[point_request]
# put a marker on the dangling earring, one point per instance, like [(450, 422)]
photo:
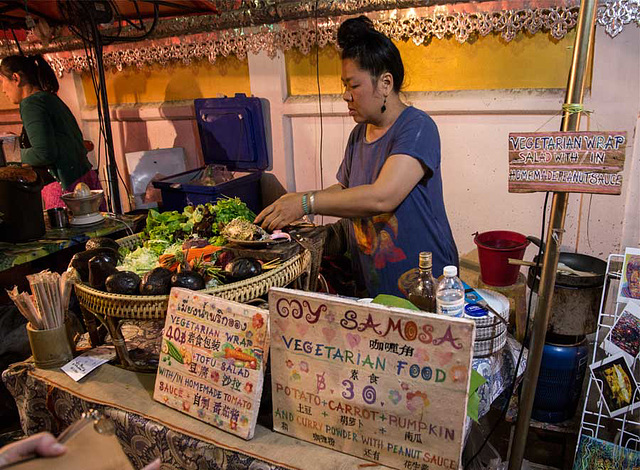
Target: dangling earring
[(384, 105)]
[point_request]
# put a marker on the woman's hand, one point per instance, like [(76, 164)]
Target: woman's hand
[(42, 444), (281, 213)]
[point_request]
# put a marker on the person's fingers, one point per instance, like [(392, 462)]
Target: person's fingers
[(277, 223), (155, 465), (261, 215), (264, 215), (43, 444), (266, 220), (271, 226), (48, 446)]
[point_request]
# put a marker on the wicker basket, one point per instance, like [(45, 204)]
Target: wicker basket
[(113, 308), (150, 307)]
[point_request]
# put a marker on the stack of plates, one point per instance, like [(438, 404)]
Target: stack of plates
[(491, 333)]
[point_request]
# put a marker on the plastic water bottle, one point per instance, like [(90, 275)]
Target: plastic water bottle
[(450, 293)]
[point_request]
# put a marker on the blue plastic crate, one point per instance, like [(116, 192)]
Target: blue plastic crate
[(178, 193), (232, 133)]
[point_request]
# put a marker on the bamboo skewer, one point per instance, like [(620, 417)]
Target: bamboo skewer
[(24, 309), (46, 307), (31, 306)]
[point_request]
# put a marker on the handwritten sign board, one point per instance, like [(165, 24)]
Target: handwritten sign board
[(385, 384), (212, 360), (576, 162)]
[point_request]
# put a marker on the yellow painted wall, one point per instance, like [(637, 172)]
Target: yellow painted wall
[(174, 82), (5, 103), (528, 61)]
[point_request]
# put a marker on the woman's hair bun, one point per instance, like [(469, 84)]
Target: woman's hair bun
[(370, 49), (353, 31)]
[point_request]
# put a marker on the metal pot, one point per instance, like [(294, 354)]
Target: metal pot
[(575, 261), (576, 299)]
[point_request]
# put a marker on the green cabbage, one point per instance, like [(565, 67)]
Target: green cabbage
[(140, 261)]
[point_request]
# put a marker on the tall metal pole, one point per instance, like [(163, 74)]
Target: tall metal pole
[(570, 122)]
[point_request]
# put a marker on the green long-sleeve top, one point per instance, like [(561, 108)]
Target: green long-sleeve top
[(55, 138)]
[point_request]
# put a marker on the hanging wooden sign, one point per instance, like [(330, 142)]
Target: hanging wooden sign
[(384, 384), (212, 360), (576, 162)]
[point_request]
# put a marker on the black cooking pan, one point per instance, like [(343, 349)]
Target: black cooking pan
[(575, 261)]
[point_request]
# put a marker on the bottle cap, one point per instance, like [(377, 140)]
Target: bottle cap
[(450, 271), (425, 260), (475, 311)]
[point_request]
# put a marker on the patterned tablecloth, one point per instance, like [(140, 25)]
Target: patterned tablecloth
[(46, 403), (47, 406), (54, 240), (498, 369)]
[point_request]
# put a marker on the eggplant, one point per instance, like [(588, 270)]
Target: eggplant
[(243, 268), (101, 267), (80, 261), (101, 242), (156, 282), (188, 279), (123, 282)]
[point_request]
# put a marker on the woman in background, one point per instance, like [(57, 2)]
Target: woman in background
[(390, 186), (51, 138)]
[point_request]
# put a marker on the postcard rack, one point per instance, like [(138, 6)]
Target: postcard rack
[(623, 429)]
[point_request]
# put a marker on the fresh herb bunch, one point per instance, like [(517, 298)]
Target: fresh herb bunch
[(203, 220), (206, 227), (167, 226), (229, 208)]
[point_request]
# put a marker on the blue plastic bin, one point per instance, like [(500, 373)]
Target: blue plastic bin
[(232, 133)]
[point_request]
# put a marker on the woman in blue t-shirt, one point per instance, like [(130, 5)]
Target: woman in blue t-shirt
[(390, 186)]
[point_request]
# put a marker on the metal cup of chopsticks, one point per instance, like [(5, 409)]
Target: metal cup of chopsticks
[(45, 309)]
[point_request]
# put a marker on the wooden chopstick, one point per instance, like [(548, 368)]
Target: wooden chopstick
[(521, 262)]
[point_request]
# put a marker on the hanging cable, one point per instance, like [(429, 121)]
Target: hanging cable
[(17, 42), (83, 20), (156, 16)]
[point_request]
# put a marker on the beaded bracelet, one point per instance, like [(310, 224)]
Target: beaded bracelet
[(305, 203)]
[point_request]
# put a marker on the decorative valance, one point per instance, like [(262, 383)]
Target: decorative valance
[(614, 15), (272, 26)]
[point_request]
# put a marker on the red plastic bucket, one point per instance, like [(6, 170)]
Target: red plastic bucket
[(494, 250)]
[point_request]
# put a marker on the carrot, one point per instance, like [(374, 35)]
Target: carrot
[(164, 259), (205, 252), (169, 262), (230, 353)]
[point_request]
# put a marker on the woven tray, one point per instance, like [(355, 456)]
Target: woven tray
[(149, 307)]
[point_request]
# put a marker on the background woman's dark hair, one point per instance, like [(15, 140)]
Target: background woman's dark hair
[(370, 49), (33, 69)]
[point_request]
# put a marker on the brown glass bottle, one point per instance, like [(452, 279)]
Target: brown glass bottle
[(422, 293)]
